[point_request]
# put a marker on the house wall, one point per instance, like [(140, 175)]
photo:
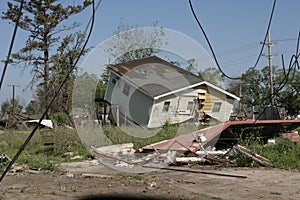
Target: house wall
[(178, 110), (213, 97), (145, 111), (140, 107), (111, 86), (133, 105)]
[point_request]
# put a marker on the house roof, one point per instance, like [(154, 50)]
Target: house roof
[(155, 76), (158, 78)]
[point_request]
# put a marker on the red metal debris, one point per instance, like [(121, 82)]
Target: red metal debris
[(294, 137), (187, 141)]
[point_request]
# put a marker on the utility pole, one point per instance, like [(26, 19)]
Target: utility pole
[(269, 43), (13, 95), (241, 95)]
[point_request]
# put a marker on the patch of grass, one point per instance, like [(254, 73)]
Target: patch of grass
[(250, 140), (69, 188), (23, 189), (127, 176), (137, 135), (202, 195), (283, 154), (45, 150)]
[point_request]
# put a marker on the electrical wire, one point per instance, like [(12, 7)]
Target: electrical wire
[(293, 65), (210, 46), (266, 35), (53, 98), (11, 43)]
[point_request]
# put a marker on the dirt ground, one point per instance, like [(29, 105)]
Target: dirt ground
[(87, 181)]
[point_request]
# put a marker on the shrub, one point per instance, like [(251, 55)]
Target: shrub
[(60, 118), (283, 154)]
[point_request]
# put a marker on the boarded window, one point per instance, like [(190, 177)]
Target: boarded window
[(166, 106), (190, 105), (126, 89), (217, 107)]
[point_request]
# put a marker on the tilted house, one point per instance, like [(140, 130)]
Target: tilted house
[(149, 91)]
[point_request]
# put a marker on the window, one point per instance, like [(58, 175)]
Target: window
[(113, 80), (126, 89), (190, 105), (166, 106), (217, 107)]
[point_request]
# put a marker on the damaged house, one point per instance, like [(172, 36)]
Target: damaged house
[(150, 91)]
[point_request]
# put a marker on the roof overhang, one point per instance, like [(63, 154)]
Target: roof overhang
[(195, 85)]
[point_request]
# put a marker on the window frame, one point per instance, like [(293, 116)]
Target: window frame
[(217, 106), (126, 89), (166, 106), (190, 105)]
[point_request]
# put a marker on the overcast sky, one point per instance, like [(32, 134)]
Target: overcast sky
[(235, 29)]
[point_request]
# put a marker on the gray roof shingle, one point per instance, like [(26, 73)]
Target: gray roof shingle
[(155, 76)]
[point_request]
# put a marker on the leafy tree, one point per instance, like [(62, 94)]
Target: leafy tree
[(289, 95), (132, 42), (5, 107), (256, 89), (32, 107), (43, 20), (84, 90), (212, 75), (63, 60), (60, 118), (10, 106)]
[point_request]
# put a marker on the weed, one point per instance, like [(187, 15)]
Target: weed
[(127, 176), (55, 192), (23, 189), (118, 136), (37, 154), (202, 195), (283, 154), (69, 188)]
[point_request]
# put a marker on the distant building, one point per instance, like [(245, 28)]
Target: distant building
[(150, 90)]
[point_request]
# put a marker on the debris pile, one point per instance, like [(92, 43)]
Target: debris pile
[(4, 158), (294, 137), (179, 151)]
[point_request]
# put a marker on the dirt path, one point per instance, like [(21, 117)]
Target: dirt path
[(85, 180)]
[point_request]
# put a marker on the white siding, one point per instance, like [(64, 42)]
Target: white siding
[(177, 112)]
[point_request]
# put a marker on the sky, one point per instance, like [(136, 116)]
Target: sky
[(235, 29)]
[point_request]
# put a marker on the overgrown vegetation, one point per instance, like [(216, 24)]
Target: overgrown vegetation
[(118, 136), (284, 154), (46, 149), (127, 176), (49, 147), (60, 118)]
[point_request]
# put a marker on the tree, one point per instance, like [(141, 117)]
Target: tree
[(256, 89), (43, 21), (32, 107), (63, 61), (5, 107), (212, 75), (289, 95), (11, 106), (132, 42)]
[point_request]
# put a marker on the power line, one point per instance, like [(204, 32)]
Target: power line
[(11, 43), (237, 50), (53, 98), (266, 35), (210, 46)]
